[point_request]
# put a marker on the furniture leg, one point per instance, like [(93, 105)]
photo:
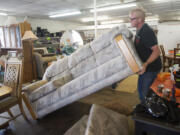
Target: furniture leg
[(33, 114), (22, 110), (10, 113), (4, 125)]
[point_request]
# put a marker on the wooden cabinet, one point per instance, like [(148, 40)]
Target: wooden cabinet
[(10, 38)]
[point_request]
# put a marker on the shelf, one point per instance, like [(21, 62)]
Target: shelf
[(12, 48)]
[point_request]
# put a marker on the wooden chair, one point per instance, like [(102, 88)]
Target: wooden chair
[(12, 81), (176, 56), (165, 62)]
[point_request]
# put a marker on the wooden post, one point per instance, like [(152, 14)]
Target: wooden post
[(29, 72)]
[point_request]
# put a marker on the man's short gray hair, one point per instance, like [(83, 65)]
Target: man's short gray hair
[(139, 13)]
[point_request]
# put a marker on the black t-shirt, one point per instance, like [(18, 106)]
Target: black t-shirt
[(145, 38)]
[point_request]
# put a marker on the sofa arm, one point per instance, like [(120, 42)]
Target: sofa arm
[(30, 88), (50, 58)]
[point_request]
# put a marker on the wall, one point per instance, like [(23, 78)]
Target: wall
[(169, 35), (51, 25)]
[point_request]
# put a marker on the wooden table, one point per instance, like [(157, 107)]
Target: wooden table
[(5, 91), (170, 58)]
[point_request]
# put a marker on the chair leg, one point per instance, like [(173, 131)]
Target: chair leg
[(10, 113), (22, 110), (29, 107), (4, 125)]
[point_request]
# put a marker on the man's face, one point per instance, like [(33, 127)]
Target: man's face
[(134, 20)]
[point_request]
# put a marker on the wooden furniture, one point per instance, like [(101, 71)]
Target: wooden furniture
[(29, 62), (165, 61), (1, 63), (29, 72), (176, 56), (5, 91), (173, 58), (145, 125), (127, 54), (12, 79), (11, 40), (178, 45)]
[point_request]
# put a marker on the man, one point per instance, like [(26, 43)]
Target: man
[(146, 46)]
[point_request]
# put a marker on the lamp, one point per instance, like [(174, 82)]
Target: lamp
[(29, 35), (11, 20)]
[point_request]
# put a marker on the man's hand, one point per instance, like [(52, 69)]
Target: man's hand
[(144, 66), (155, 54)]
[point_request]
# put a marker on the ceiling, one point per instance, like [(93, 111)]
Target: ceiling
[(166, 10)]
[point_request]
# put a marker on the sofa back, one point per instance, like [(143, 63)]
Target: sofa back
[(92, 55)]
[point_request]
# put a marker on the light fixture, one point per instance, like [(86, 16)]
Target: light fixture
[(65, 14), (3, 14), (112, 22), (161, 1), (151, 19), (90, 19), (10, 21), (114, 7), (29, 35)]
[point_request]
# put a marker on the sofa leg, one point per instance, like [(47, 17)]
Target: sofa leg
[(28, 105)]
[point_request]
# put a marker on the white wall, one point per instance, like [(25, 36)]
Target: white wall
[(169, 35), (51, 25)]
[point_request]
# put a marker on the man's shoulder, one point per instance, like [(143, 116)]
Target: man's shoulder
[(146, 27)]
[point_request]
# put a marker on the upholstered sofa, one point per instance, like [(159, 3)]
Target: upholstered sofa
[(42, 62), (104, 61)]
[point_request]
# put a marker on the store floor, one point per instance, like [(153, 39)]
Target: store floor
[(58, 122)]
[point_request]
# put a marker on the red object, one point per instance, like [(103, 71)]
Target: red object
[(171, 52), (168, 84)]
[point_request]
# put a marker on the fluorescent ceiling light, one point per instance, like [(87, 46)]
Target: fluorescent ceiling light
[(91, 19), (161, 0), (66, 14), (151, 19), (112, 22), (114, 7), (4, 14)]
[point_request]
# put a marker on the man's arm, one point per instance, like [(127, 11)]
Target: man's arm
[(155, 54)]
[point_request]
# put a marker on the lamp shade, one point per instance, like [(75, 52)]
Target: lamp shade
[(29, 35), (11, 20)]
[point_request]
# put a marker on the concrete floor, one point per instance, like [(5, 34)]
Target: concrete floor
[(58, 122)]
